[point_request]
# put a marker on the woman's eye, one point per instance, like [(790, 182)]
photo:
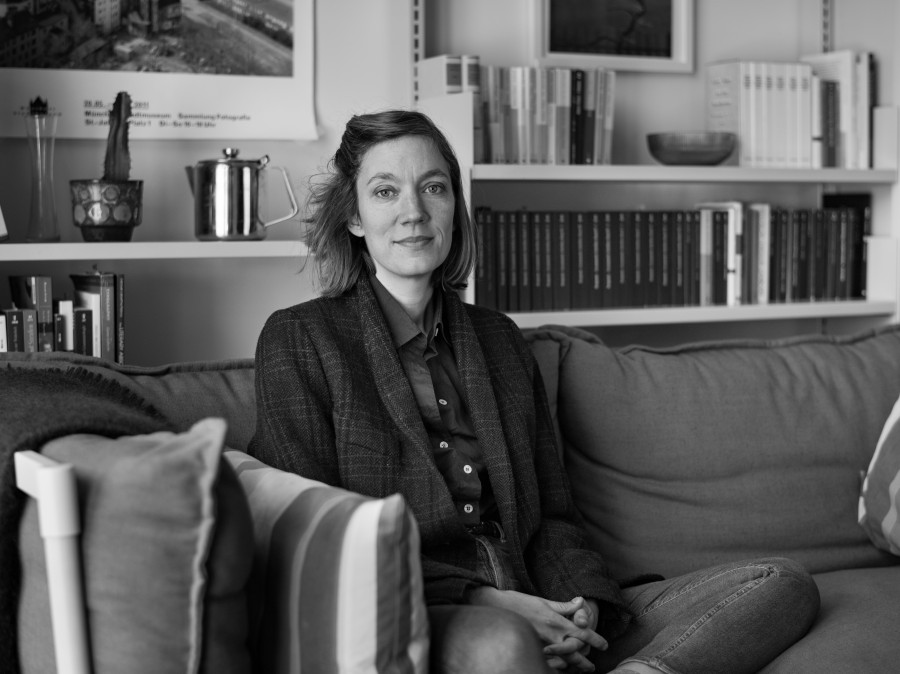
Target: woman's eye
[(435, 189), (384, 192)]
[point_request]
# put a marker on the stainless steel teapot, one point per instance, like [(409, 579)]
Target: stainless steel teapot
[(226, 197)]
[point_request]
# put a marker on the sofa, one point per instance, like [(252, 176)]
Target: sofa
[(196, 557)]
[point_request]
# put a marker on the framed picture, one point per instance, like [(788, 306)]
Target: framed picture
[(642, 35)]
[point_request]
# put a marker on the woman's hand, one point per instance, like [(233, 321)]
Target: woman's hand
[(566, 627)]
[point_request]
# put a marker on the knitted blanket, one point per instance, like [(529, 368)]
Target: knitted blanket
[(38, 405)]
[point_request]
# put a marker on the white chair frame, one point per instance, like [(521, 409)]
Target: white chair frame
[(52, 485)]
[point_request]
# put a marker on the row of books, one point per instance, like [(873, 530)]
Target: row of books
[(529, 114), (91, 322), (812, 113), (719, 253)]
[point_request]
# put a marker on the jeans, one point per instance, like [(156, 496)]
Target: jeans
[(731, 618)]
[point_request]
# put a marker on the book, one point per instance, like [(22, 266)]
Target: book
[(4, 346), (576, 113), (495, 102), (561, 115), (96, 291), (439, 75), (470, 74), (734, 247), (521, 102), (608, 117), (15, 329), (860, 203), (840, 66), (83, 334), (63, 310), (36, 292)]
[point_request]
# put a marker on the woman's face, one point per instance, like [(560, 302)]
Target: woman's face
[(406, 207)]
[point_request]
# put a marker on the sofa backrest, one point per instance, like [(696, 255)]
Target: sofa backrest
[(684, 457), (184, 392)]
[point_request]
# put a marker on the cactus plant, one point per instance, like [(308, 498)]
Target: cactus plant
[(117, 164)]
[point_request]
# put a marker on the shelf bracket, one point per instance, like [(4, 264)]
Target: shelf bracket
[(827, 25)]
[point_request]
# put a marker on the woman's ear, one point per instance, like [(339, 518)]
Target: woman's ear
[(354, 226)]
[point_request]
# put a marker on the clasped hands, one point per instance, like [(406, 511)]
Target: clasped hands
[(567, 628)]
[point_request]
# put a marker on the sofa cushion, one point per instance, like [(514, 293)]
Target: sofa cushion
[(337, 583), (856, 630), (165, 557), (184, 392), (879, 500), (684, 457)]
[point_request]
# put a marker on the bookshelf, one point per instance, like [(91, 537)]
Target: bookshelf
[(453, 114), (150, 250)]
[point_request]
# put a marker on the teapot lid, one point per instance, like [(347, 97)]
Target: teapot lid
[(230, 155)]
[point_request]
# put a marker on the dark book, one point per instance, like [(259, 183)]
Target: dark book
[(666, 245), (692, 258), (652, 289), (36, 292), (83, 333), (15, 329), (625, 264), (832, 251), (719, 256), (485, 292), (512, 260), (525, 259), (561, 241), (502, 260), (818, 255), (610, 275), (578, 261), (597, 255), (548, 267), (831, 132), (676, 265), (577, 117), (120, 319), (861, 204), (639, 252), (538, 297)]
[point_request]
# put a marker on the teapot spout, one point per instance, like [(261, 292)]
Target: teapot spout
[(190, 174)]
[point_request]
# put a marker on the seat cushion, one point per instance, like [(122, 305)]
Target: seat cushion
[(857, 627)]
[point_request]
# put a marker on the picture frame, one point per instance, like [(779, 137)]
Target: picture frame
[(661, 37)]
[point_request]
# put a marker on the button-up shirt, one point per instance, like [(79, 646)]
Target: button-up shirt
[(430, 365)]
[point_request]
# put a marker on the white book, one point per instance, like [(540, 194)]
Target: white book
[(863, 98), (66, 309), (89, 300), (563, 97), (540, 130), (763, 212), (609, 110), (492, 92), (734, 247), (3, 347), (729, 104), (439, 75)]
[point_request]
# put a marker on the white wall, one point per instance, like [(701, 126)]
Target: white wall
[(363, 63)]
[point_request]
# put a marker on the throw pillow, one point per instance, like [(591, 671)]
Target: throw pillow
[(337, 582), (879, 502), (166, 563)]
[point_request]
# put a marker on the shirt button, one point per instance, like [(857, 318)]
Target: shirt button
[(467, 469), (442, 401), (444, 445), (468, 508)]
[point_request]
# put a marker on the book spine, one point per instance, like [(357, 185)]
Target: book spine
[(562, 236), (523, 234), (538, 297), (576, 139), (563, 93), (15, 330), (4, 343), (83, 333)]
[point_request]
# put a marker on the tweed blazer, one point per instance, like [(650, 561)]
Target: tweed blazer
[(334, 405)]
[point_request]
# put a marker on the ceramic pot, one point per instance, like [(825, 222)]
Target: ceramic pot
[(107, 210)]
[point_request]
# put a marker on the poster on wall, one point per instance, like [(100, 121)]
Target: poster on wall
[(195, 69)]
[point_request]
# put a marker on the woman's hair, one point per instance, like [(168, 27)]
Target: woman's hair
[(339, 256)]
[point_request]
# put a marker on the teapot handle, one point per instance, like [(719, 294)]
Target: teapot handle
[(290, 191)]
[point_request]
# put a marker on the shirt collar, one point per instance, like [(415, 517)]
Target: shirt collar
[(401, 326)]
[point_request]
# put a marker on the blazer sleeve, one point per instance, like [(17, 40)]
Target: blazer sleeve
[(558, 557), (294, 431)]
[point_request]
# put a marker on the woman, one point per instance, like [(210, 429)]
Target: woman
[(389, 382)]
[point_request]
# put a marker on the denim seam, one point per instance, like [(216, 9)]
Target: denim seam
[(745, 589), (766, 568)]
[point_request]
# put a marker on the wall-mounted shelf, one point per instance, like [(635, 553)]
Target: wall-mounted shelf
[(150, 250), (677, 174), (715, 314)]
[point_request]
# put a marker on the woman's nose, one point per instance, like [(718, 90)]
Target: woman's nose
[(413, 210)]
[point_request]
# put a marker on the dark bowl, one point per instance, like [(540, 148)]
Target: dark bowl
[(691, 148)]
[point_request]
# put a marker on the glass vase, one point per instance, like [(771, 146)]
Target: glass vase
[(42, 222)]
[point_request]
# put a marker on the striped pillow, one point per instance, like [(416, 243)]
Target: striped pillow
[(879, 501), (337, 580)]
